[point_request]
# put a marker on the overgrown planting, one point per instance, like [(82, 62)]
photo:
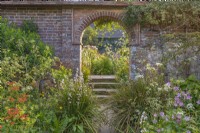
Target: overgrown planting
[(148, 105), (34, 96), (37, 98)]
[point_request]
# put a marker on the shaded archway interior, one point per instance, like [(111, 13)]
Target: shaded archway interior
[(122, 26), (108, 20), (113, 46)]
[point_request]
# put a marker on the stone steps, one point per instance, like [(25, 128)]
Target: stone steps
[(103, 85)]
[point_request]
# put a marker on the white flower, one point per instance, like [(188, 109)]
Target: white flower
[(159, 64), (143, 130), (180, 112), (143, 117), (159, 89), (139, 77), (190, 106)]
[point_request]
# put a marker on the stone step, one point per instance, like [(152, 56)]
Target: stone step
[(102, 96), (103, 91), (103, 84), (102, 78)]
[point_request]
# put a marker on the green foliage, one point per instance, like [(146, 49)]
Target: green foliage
[(107, 25), (110, 62), (90, 36), (15, 114), (182, 109), (88, 55), (164, 14), (180, 49), (134, 15), (129, 104), (75, 101), (103, 66), (149, 105), (24, 57), (135, 100), (29, 26), (100, 28), (66, 106)]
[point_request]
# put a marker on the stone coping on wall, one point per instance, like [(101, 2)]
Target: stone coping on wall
[(70, 3)]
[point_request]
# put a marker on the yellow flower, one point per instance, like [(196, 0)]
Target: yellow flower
[(61, 107)]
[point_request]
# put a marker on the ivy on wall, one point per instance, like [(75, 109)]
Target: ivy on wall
[(164, 14), (178, 23)]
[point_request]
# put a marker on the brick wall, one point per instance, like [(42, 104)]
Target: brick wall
[(62, 24), (48, 20)]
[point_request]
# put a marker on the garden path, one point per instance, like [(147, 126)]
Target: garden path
[(103, 86)]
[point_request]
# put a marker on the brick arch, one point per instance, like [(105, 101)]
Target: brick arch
[(117, 17)]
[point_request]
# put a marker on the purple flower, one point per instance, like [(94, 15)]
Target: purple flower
[(168, 84), (162, 114), (178, 102), (179, 95), (188, 97), (181, 104), (198, 102), (187, 118), (155, 115), (176, 98), (176, 88), (188, 131)]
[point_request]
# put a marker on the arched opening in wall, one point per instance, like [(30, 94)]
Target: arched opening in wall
[(105, 49)]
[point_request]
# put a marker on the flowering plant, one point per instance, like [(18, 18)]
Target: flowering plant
[(180, 115), (15, 113)]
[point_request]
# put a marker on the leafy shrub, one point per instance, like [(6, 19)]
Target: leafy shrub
[(24, 57), (76, 105), (130, 104), (103, 66), (136, 100), (107, 63), (89, 53), (121, 63), (29, 26), (68, 105)]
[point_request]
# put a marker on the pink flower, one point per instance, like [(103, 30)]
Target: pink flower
[(155, 115)]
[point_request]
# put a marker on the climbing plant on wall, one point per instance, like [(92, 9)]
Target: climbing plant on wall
[(164, 14)]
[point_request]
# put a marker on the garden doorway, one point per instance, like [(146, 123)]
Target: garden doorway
[(105, 50)]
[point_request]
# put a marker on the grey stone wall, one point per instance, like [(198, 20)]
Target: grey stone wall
[(153, 49)]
